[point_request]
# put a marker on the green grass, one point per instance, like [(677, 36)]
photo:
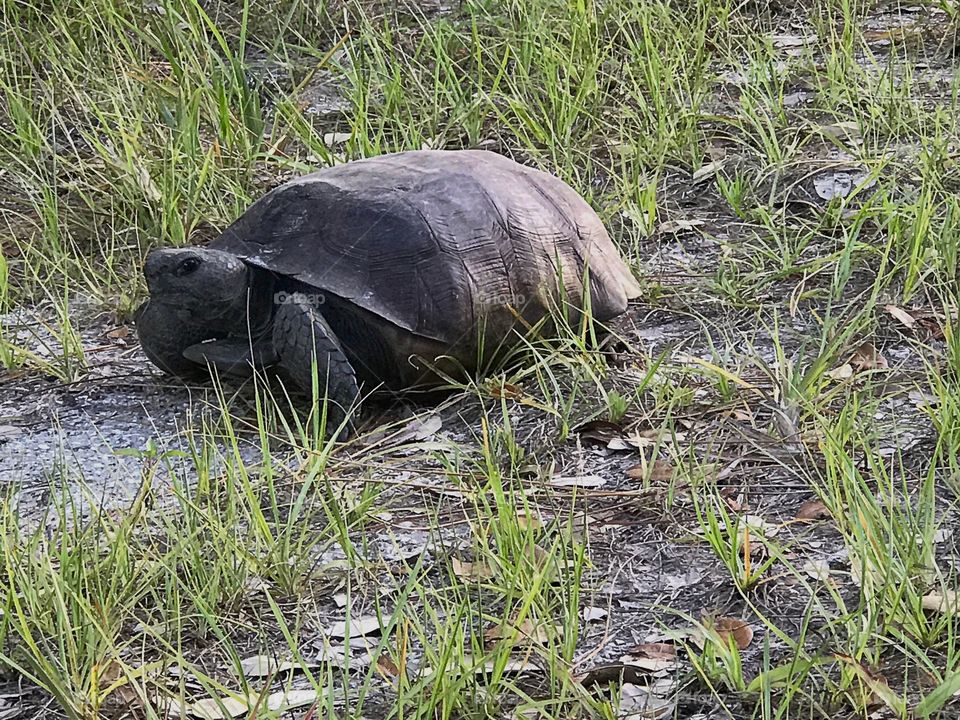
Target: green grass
[(124, 126)]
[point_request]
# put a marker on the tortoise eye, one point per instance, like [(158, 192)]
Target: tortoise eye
[(187, 267)]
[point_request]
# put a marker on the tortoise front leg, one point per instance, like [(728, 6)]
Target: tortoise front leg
[(233, 356), (301, 336)]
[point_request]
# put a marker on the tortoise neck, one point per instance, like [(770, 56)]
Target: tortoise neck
[(250, 313)]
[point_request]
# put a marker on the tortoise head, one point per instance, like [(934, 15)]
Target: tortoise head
[(196, 278)]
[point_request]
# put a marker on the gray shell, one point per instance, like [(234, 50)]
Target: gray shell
[(439, 243)]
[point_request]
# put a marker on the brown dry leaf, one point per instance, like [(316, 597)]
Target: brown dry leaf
[(813, 510), (947, 601), (387, 666), (602, 431), (902, 315), (471, 571), (612, 673), (107, 674), (653, 657), (867, 357), (526, 633), (877, 683), (529, 521), (506, 390), (659, 471), (739, 630)]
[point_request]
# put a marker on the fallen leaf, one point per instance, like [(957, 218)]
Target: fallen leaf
[(847, 130), (602, 431), (528, 521), (672, 227), (265, 665), (526, 633), (612, 673), (387, 666), (945, 602), (506, 390), (336, 138), (877, 684), (581, 481), (659, 471), (639, 702), (813, 510), (727, 627), (707, 171), (653, 657), (817, 569), (902, 315), (592, 614), (359, 627), (471, 571), (787, 41), (843, 372), (513, 666), (220, 709), (867, 357)]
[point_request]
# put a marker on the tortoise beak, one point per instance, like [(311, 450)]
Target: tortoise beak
[(153, 268)]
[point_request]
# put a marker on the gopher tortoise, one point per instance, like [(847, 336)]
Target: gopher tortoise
[(382, 273)]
